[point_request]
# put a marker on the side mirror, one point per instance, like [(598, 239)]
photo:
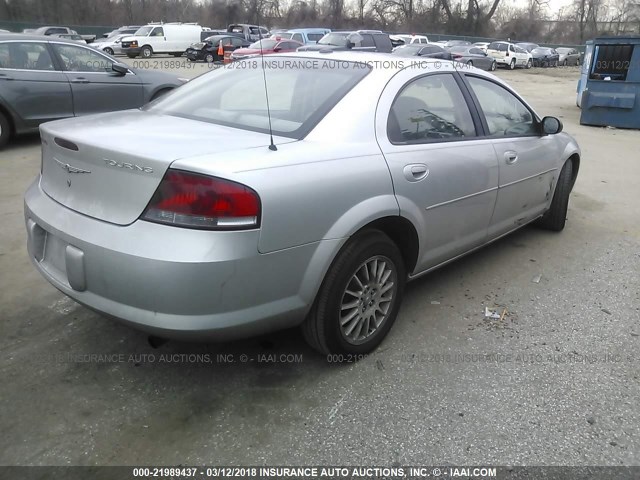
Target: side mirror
[(551, 125), (120, 68)]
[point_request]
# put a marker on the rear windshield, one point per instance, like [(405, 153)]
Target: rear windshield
[(266, 44), (301, 92), (502, 47), (337, 39)]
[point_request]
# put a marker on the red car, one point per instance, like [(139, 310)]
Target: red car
[(269, 45)]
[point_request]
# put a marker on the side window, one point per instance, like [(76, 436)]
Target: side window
[(227, 42), (25, 56), (157, 32), (367, 40), (78, 59), (298, 37), (611, 61), (430, 108), (236, 42), (476, 51), (506, 115), (511, 48)]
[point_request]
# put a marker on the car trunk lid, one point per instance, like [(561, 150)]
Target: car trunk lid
[(108, 166)]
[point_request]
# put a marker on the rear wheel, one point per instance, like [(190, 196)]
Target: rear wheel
[(209, 58), (512, 65), (359, 298), (556, 217), (5, 130), (146, 51), (493, 66), (564, 63), (108, 51), (529, 64)]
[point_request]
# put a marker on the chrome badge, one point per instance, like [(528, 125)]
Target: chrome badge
[(129, 166), (70, 168)]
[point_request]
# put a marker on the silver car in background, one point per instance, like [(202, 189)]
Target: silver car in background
[(186, 219), (110, 45)]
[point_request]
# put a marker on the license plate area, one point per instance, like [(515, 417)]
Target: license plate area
[(54, 258)]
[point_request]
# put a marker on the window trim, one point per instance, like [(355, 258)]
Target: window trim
[(483, 117), (475, 118)]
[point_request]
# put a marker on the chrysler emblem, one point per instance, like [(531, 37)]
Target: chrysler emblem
[(70, 168)]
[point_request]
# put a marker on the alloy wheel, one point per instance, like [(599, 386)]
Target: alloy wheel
[(367, 299)]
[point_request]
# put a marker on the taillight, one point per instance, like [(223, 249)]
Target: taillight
[(193, 200), (456, 57)]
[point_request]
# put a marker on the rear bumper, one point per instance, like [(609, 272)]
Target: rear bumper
[(171, 282)]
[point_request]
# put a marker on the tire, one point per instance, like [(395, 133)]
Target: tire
[(131, 55), (493, 66), (529, 64), (209, 58), (346, 284), (108, 51), (146, 51), (177, 54), (470, 63), (555, 218), (512, 65), (578, 63), (555, 64), (564, 63), (5, 130)]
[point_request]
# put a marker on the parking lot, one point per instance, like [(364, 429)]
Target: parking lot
[(554, 381)]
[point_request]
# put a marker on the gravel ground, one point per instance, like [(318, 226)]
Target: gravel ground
[(553, 382)]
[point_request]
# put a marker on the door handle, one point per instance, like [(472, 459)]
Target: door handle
[(80, 80), (415, 172), (511, 157)]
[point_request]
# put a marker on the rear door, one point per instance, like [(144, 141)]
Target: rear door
[(95, 86), (32, 83), (445, 174), (527, 160)]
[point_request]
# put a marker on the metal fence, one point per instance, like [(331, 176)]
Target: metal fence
[(96, 30)]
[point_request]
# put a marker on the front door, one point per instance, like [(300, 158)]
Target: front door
[(527, 160), (95, 86)]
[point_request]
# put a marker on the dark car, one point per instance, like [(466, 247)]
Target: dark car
[(544, 57), (361, 40), (208, 50), (47, 78), (417, 50), (474, 57)]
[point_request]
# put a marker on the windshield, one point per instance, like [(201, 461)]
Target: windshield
[(498, 46), (267, 44), (407, 50), (282, 35), (301, 93), (563, 50), (143, 31), (337, 39)]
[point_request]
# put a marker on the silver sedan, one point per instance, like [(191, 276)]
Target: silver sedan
[(188, 219)]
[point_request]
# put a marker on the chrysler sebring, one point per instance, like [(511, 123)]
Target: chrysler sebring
[(206, 215)]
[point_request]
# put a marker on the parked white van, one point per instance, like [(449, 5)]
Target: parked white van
[(173, 38)]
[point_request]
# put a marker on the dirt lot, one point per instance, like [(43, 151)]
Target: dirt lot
[(555, 382)]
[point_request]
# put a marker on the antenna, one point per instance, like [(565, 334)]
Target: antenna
[(272, 146)]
